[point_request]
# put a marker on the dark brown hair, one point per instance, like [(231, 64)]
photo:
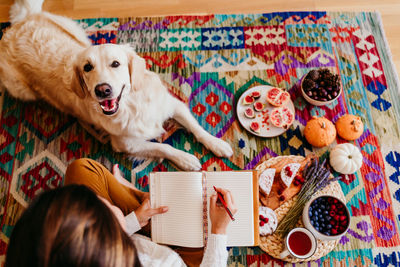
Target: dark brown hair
[(69, 226)]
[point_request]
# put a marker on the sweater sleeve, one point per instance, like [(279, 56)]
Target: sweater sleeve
[(215, 253), (132, 223)]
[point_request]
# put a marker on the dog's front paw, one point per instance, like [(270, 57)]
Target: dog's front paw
[(187, 162), (219, 147)]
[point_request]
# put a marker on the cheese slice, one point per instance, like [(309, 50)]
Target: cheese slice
[(288, 173), (266, 180)]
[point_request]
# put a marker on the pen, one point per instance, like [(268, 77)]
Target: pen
[(221, 198)]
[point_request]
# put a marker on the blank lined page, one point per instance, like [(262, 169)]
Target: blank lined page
[(182, 225), (241, 231)]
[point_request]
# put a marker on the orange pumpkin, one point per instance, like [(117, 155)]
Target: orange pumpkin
[(320, 131), (349, 127)]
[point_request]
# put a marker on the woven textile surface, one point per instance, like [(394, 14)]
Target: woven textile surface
[(208, 62)]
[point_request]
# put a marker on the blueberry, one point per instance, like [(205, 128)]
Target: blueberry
[(326, 212), (310, 213), (329, 226)]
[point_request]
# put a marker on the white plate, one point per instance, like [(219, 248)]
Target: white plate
[(262, 117)]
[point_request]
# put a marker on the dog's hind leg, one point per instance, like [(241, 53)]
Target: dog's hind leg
[(15, 83), (146, 149), (218, 146)]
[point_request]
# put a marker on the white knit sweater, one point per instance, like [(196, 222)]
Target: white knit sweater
[(152, 254)]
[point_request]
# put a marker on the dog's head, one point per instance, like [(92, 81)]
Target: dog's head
[(105, 73)]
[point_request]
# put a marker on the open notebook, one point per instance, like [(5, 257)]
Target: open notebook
[(187, 195)]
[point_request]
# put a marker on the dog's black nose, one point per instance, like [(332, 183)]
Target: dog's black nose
[(103, 90)]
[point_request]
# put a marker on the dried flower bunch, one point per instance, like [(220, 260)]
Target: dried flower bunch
[(316, 177)]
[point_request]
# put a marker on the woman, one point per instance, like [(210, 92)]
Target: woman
[(59, 221), (69, 226)]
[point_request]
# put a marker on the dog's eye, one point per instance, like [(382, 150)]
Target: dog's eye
[(88, 67), (115, 64)]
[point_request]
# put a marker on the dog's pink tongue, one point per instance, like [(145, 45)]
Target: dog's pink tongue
[(108, 105)]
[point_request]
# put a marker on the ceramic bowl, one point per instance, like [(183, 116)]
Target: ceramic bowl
[(340, 214), (317, 102)]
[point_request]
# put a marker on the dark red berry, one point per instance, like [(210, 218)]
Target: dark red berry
[(296, 183), (262, 223), (281, 198), (334, 231), (261, 217), (280, 192), (266, 220), (332, 213)]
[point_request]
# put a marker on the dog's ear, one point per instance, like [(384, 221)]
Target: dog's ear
[(137, 68), (78, 85)]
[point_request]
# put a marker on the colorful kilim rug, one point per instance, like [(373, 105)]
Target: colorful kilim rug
[(208, 62)]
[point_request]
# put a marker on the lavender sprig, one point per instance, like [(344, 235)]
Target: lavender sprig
[(316, 177)]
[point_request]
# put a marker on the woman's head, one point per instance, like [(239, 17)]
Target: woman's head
[(69, 226)]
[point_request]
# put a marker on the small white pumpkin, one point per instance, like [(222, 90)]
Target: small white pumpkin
[(346, 158)]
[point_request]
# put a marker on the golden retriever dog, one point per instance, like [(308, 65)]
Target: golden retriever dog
[(49, 57)]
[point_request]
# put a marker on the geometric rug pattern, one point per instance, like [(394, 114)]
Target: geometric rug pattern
[(208, 62)]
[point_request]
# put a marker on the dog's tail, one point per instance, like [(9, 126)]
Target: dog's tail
[(22, 8)]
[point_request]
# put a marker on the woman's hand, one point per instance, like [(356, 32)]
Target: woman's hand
[(218, 215), (145, 212)]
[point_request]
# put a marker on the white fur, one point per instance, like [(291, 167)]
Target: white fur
[(42, 56)]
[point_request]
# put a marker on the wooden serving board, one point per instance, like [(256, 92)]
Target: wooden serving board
[(273, 199)]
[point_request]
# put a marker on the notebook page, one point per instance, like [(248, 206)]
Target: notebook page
[(182, 225), (241, 231)]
